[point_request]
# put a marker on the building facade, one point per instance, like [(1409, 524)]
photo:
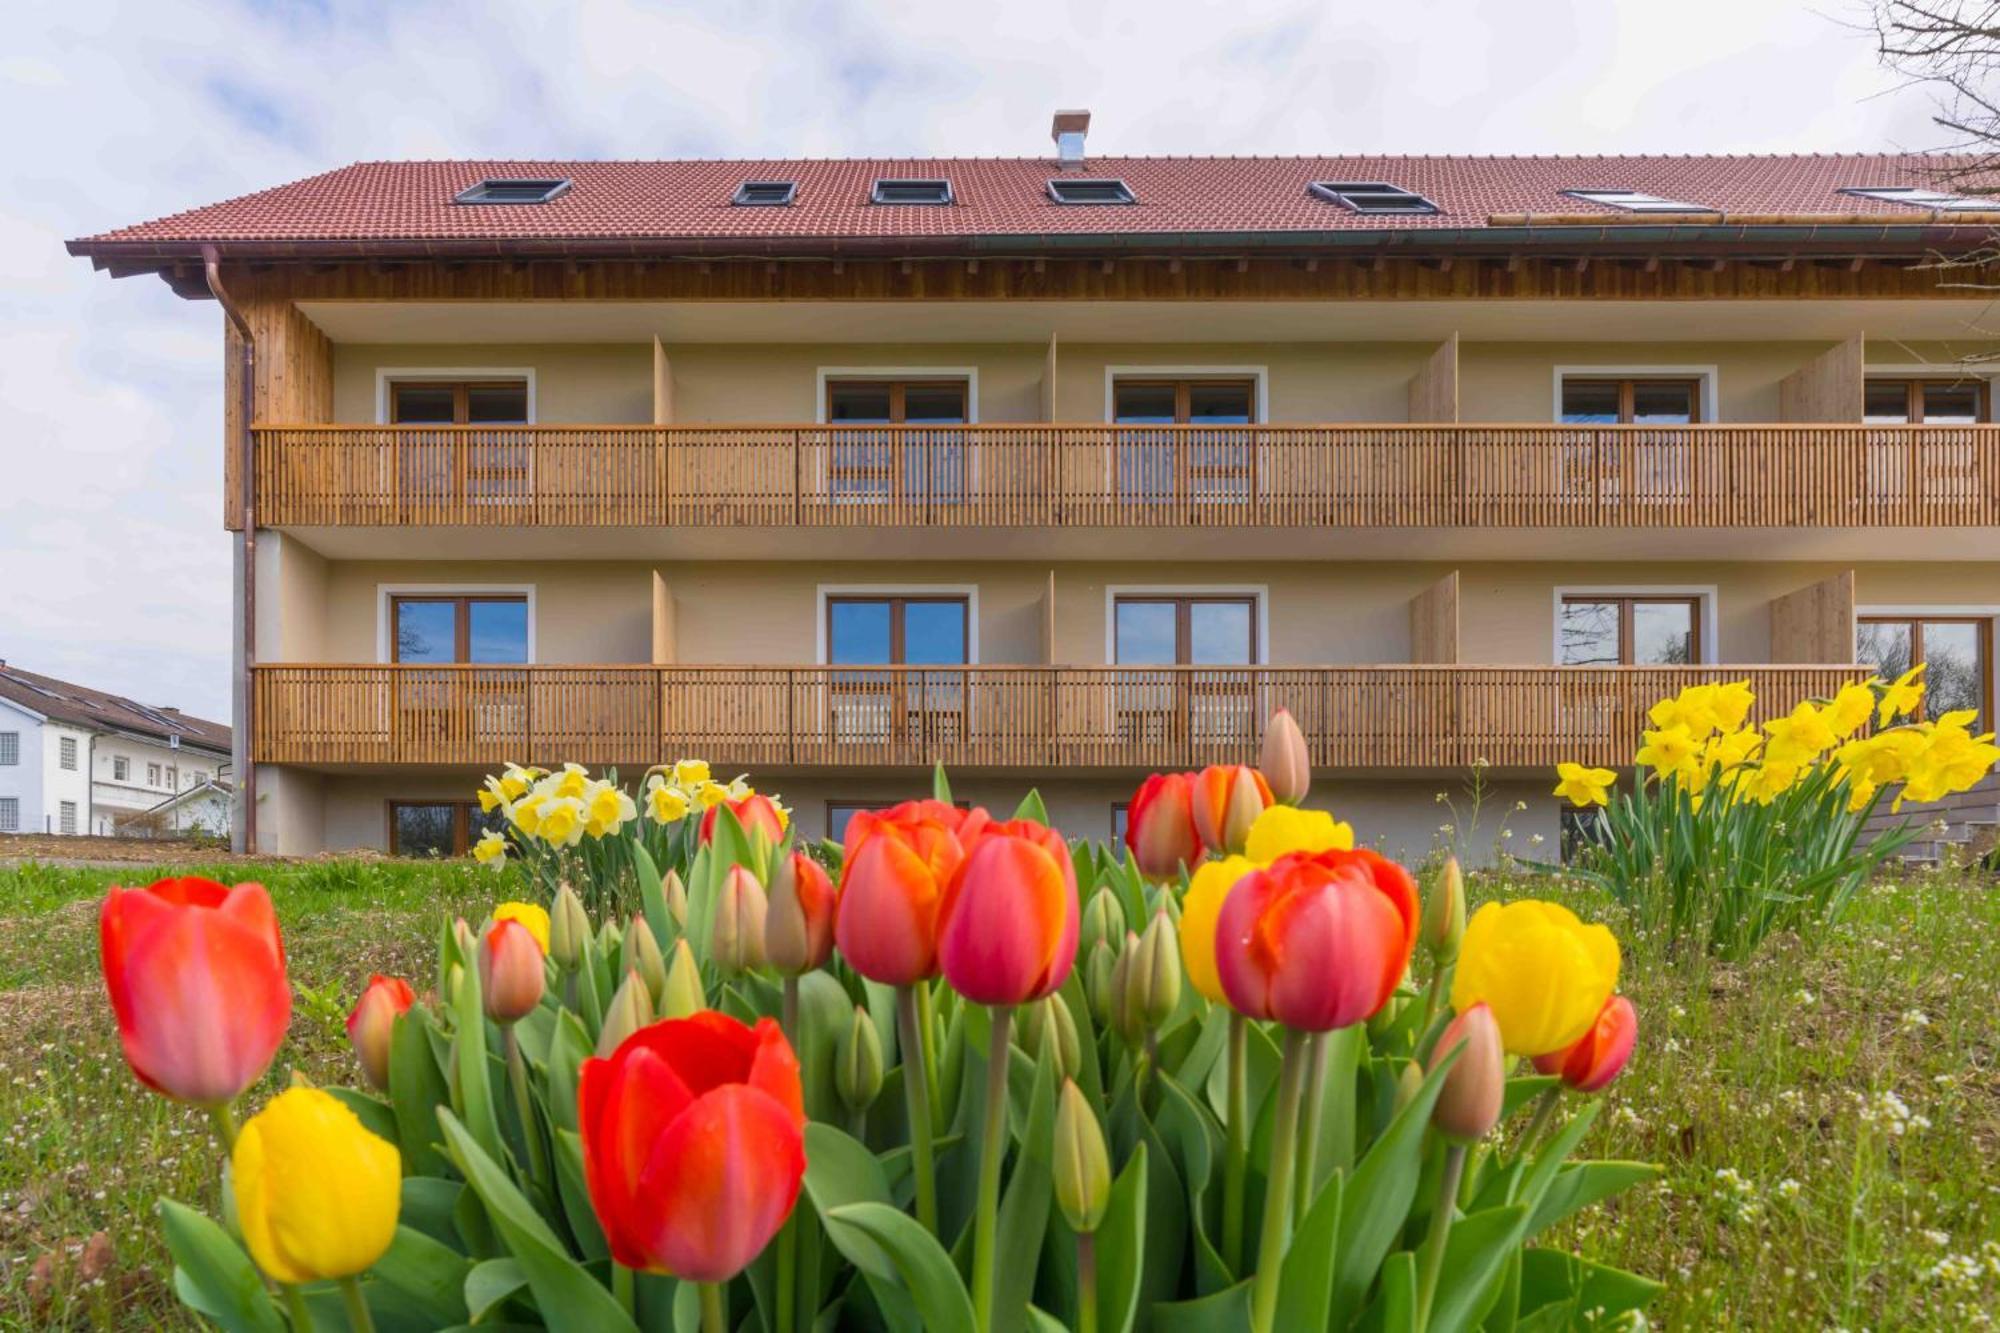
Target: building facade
[(1061, 470), (74, 760)]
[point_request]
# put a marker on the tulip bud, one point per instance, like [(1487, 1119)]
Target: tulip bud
[(1047, 1026), (857, 1063), (1160, 832), (1285, 763), (373, 1022), (641, 954), (510, 972), (1444, 914), (1127, 1007), (676, 895), (1103, 919), (1385, 1018), (1082, 1166), (1409, 1083), (1600, 1054), (569, 927), (610, 939), (1227, 800), (631, 1009), (467, 942), (1468, 1107), (1099, 977), (1155, 975), (798, 927), (736, 942), (682, 995)]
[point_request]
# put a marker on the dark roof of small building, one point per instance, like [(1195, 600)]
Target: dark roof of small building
[(83, 706)]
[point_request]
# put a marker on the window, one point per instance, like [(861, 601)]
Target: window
[(1193, 630), (922, 711), (1577, 829), (895, 191), (444, 628), (121, 768), (1121, 812), (1075, 191), (428, 402), (66, 817), (1918, 197), (1618, 630), (1207, 467), (438, 828), (512, 190), (896, 631), (10, 748), (1372, 197), (10, 814), (878, 465), (1941, 402), (1186, 402), (1591, 400), (765, 194), (66, 753), (1958, 651), (839, 813), (152, 775), (1633, 201)]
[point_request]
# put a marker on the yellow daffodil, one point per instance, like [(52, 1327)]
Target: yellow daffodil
[(1283, 828), (1730, 750), (606, 808), (1859, 793), (1544, 973), (1200, 909), (1666, 751), (1950, 758), (1901, 696), (562, 821), (1693, 708), (1731, 703), (1768, 781), (690, 773), (664, 803), (491, 798), (532, 915), (316, 1194), (1582, 786), (526, 813), (491, 849), (1849, 710), (515, 781), (572, 782), (1799, 737)]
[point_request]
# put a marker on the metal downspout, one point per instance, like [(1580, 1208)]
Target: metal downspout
[(246, 483)]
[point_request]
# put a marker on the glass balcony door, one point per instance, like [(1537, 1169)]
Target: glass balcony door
[(1185, 630), (917, 456), (910, 710), (1202, 466)]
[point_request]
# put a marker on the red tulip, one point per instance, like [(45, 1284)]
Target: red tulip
[(757, 813), (373, 1022), (196, 974), (1469, 1104), (798, 923), (510, 971), (693, 1144), (1599, 1055), (1227, 800), (1159, 825), (898, 863), (1316, 941), (1009, 919)]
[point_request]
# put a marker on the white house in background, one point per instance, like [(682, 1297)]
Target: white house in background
[(77, 760)]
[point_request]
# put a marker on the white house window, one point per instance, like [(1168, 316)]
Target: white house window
[(66, 753), (10, 748), (121, 768), (152, 775), (67, 822), (10, 814)]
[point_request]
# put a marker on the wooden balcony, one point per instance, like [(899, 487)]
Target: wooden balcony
[(1054, 476), (1039, 718)]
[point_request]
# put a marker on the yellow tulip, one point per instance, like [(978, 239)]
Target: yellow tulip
[(531, 915), (1200, 910), (1584, 786), (1281, 829), (1545, 974), (491, 849), (316, 1193), (1901, 696)]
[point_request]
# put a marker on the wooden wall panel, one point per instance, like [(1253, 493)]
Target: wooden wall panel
[(1827, 388), (1434, 389), (1815, 625), (294, 381), (1434, 622), (663, 386)]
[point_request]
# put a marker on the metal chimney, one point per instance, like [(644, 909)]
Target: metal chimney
[(1068, 131)]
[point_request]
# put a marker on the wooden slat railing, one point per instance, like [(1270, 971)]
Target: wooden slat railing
[(1130, 476), (1028, 717)]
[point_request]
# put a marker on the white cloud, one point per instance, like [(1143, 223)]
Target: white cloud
[(114, 562)]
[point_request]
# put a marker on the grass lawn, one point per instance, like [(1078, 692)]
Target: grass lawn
[(1828, 1119)]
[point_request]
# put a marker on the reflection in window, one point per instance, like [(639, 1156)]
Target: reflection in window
[(1940, 402), (1595, 401), (446, 629), (1188, 631), (439, 828), (1957, 653), (1209, 467), (880, 631), (880, 465), (1629, 631)]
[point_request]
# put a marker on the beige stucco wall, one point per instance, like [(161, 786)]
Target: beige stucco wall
[(579, 383)]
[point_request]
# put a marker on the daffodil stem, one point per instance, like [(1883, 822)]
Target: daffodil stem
[(1086, 1283), (1236, 1144), (916, 1096), (524, 1105), (992, 1148), (1311, 1099), (358, 1317), (714, 1318), (1278, 1185), (222, 1116), (1440, 1232), (296, 1309), (621, 1287)]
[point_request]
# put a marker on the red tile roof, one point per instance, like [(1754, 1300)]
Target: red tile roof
[(1004, 197)]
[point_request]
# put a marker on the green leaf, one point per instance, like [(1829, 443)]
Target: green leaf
[(490, 1283), (1577, 1187), (1479, 1245), (431, 1274), (213, 1275), (1031, 807), (417, 1087), (569, 1047), (1305, 1281), (1551, 1278), (469, 1072), (921, 1263), (428, 1202), (841, 1171), (653, 896), (1121, 1247), (1024, 1208), (376, 1116), (940, 784), (1395, 1308), (563, 1290), (1226, 1311), (574, 1194), (1377, 1198)]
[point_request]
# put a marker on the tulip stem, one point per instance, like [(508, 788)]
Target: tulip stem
[(1278, 1184), (222, 1116), (789, 1014), (1434, 994), (296, 1309), (1440, 1231), (916, 1096), (358, 1317), (1236, 1146), (621, 1287), (1312, 1098), (993, 1147), (714, 1319), (1086, 1283), (524, 1105), (1545, 1110), (927, 1020)]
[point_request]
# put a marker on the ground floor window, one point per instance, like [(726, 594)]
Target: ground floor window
[(1121, 812), (1578, 828), (10, 814), (1957, 651), (66, 820), (438, 828)]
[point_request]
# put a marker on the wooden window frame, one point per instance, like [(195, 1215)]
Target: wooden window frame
[(461, 397), (461, 822), (461, 623), (1184, 604), (1183, 386), (1913, 393), (897, 641), (1916, 623), (1628, 387), (899, 387), (1626, 601)]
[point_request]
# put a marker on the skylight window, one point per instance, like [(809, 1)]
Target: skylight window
[(1918, 197), (898, 191), (1637, 201), (512, 190), (1073, 190), (765, 194), (1372, 197)]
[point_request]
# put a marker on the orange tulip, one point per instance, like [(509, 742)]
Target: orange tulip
[(1227, 800), (1009, 920), (196, 976), (1600, 1054), (798, 922), (373, 1022), (1316, 941), (1159, 825), (693, 1144), (757, 813), (510, 971), (898, 863)]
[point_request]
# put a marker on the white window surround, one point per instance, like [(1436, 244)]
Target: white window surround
[(1260, 593), (1705, 592), (969, 591), (386, 592), (1260, 377), (385, 374), (1709, 388), (970, 374)]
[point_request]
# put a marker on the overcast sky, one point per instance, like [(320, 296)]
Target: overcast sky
[(116, 568)]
